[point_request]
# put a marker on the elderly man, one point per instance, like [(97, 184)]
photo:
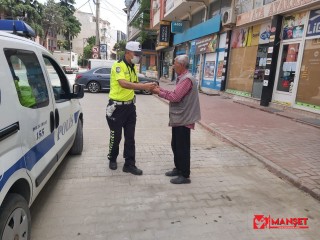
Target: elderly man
[(121, 111), (184, 111)]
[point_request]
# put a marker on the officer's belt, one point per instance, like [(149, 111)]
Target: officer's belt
[(122, 103)]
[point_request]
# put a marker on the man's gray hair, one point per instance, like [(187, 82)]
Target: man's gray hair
[(183, 60)]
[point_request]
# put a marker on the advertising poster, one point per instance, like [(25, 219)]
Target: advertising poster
[(293, 25), (265, 31), (220, 69), (209, 69), (206, 44), (239, 38), (254, 41), (210, 77)]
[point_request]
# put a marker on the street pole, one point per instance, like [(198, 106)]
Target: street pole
[(97, 23)]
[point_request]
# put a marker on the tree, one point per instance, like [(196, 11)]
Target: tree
[(52, 19), (72, 26), (29, 11), (87, 51), (142, 22), (120, 48)]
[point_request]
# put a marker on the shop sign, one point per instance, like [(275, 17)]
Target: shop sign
[(265, 31), (177, 27), (206, 44), (314, 23), (164, 34), (274, 8)]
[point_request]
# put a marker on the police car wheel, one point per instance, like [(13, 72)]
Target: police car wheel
[(15, 219), (93, 87), (77, 146)]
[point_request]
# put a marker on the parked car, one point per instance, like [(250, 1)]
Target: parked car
[(98, 79), (41, 122)]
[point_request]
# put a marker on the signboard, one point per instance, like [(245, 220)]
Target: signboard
[(95, 55), (314, 23), (274, 8), (103, 48), (164, 34), (206, 44), (176, 27), (95, 49), (293, 25)]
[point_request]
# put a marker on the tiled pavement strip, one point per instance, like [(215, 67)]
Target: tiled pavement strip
[(85, 200)]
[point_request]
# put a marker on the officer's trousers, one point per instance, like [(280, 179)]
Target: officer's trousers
[(124, 116), (180, 144)]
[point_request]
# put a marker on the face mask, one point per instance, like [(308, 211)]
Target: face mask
[(135, 60)]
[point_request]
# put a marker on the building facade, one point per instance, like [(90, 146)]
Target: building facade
[(267, 50)]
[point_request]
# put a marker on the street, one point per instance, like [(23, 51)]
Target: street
[(86, 200)]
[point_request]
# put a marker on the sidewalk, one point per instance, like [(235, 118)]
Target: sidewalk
[(285, 140)]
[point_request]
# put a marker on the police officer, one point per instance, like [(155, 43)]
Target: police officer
[(121, 111)]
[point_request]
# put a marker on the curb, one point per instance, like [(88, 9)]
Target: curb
[(271, 166)]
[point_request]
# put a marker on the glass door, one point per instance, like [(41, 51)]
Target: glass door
[(287, 74)]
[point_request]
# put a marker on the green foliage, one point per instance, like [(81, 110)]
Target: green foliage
[(120, 47), (142, 21), (87, 51)]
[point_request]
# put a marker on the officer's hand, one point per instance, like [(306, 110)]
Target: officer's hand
[(149, 86)]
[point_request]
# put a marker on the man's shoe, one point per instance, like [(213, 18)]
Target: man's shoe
[(132, 169), (174, 172), (180, 180), (113, 165)]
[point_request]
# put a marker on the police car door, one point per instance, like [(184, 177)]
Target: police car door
[(66, 110), (34, 110), (10, 144)]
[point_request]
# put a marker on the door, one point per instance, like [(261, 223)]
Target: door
[(287, 73), (102, 75), (259, 71), (35, 111), (10, 136)]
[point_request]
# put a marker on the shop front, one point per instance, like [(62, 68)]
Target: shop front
[(297, 79), (248, 60), (200, 39), (286, 70), (213, 50)]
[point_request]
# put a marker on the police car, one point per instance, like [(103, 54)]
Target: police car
[(40, 123)]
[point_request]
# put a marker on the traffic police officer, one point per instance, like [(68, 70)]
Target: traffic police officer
[(121, 111)]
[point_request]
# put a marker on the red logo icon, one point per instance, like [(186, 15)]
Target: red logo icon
[(267, 222)]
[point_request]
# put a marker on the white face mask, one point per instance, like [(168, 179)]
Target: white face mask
[(135, 59)]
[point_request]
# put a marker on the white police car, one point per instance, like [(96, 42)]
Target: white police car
[(40, 122)]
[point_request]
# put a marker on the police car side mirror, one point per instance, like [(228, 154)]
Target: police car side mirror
[(77, 91)]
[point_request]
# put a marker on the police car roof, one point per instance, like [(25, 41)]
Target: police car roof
[(17, 27)]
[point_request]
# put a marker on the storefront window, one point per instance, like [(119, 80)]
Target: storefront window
[(288, 67), (240, 74), (309, 87)]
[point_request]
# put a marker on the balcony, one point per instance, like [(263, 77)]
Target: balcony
[(156, 19), (177, 9)]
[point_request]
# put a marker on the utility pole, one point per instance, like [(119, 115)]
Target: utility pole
[(97, 23)]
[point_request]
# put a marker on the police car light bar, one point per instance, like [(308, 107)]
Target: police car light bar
[(17, 27)]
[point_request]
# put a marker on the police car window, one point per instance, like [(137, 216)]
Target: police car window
[(28, 78), (59, 83)]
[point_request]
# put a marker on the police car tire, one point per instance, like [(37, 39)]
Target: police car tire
[(15, 204), (77, 146)]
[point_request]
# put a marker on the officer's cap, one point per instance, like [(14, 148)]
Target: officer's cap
[(134, 47)]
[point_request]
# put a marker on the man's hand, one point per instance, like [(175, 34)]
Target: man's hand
[(149, 86), (156, 90)]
